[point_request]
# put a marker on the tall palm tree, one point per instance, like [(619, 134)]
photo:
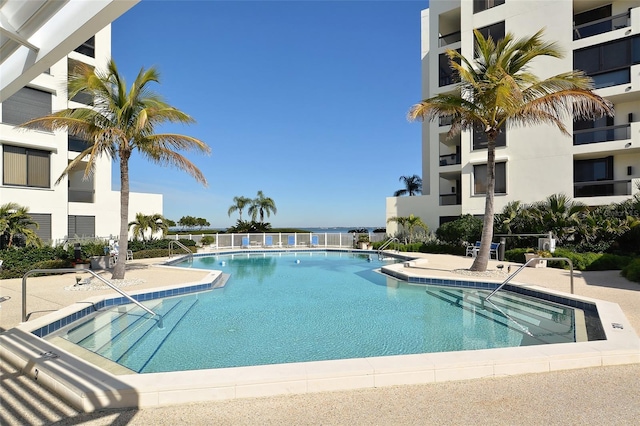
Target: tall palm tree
[(261, 205), (119, 123), (412, 186), (239, 204), (410, 223), (497, 90), (15, 220)]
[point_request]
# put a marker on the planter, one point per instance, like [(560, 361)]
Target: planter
[(100, 262), (541, 263), (82, 266), (363, 245)]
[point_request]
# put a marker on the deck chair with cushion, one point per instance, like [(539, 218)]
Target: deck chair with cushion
[(472, 250), (314, 241), (291, 241), (268, 241), (245, 242)]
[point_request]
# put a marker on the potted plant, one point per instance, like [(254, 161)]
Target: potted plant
[(538, 254), (363, 241)]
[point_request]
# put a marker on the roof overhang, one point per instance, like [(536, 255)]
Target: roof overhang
[(36, 34)]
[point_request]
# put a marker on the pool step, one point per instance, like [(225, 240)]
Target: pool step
[(140, 354), (537, 323), (117, 345)]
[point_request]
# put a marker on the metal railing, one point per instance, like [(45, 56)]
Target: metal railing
[(66, 270), (602, 188), (601, 26), (602, 134), (182, 246), (451, 38), (535, 259)]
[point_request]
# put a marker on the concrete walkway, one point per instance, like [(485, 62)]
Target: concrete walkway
[(605, 395)]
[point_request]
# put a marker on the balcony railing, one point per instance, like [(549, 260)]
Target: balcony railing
[(449, 159), (450, 200), (81, 196), (602, 188), (445, 121), (601, 26), (602, 134), (445, 40)]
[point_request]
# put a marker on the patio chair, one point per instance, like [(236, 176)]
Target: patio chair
[(494, 250), (472, 250), (268, 241), (291, 241), (245, 242), (314, 241)]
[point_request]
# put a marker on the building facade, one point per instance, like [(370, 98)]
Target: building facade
[(598, 164), (32, 161)]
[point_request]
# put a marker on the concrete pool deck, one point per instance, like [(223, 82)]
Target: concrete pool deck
[(47, 293)]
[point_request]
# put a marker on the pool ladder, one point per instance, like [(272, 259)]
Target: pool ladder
[(385, 245), (182, 246), (535, 259)]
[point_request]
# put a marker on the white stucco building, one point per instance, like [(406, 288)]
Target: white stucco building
[(42, 40), (598, 164)]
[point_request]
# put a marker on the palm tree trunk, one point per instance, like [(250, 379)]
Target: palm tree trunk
[(123, 243), (482, 259)]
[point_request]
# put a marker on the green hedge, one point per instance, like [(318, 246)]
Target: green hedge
[(148, 254), (18, 261), (581, 261), (424, 248), (632, 271)]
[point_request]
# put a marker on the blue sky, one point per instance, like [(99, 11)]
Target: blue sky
[(304, 100)]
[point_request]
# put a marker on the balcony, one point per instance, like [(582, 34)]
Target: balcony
[(602, 26), (602, 188), (450, 200), (602, 134), (445, 40), (81, 196), (445, 121), (449, 159)]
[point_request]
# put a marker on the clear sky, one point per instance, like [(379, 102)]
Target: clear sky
[(304, 100)]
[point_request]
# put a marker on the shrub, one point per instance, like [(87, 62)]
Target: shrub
[(207, 239), (610, 262), (632, 271), (464, 229), (516, 255)]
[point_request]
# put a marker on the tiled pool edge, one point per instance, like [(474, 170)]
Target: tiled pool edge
[(89, 388)]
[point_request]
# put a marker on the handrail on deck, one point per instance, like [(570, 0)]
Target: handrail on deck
[(65, 270), (385, 245), (535, 259), (182, 246)]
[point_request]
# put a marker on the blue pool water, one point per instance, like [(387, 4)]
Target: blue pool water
[(307, 306)]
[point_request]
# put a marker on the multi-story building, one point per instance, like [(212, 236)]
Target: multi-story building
[(32, 161), (598, 164)]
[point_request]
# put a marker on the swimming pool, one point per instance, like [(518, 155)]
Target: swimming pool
[(288, 307)]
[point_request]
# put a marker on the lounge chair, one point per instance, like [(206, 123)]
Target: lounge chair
[(494, 250), (268, 242), (314, 241), (291, 241), (245, 242), (472, 250)]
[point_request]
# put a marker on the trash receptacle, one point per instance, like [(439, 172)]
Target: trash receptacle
[(77, 251)]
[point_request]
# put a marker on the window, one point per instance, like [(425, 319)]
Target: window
[(446, 73), (480, 5), (581, 21), (609, 63), (88, 47), (480, 179), (81, 226), (82, 97), (495, 31), (593, 170), (480, 140), (44, 229), (76, 145), (26, 104), (26, 167)]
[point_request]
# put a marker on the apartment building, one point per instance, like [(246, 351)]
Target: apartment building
[(32, 161), (598, 164)]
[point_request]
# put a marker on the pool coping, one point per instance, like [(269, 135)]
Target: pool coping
[(89, 388)]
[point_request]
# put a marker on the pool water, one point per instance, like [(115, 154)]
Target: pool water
[(309, 306)]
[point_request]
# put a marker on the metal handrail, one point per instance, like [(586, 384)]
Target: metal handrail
[(182, 246), (65, 270), (385, 245), (536, 259)]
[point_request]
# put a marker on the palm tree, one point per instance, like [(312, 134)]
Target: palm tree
[(15, 220), (498, 91), (262, 205), (143, 223), (118, 124), (412, 186), (564, 217), (409, 223), (240, 204)]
